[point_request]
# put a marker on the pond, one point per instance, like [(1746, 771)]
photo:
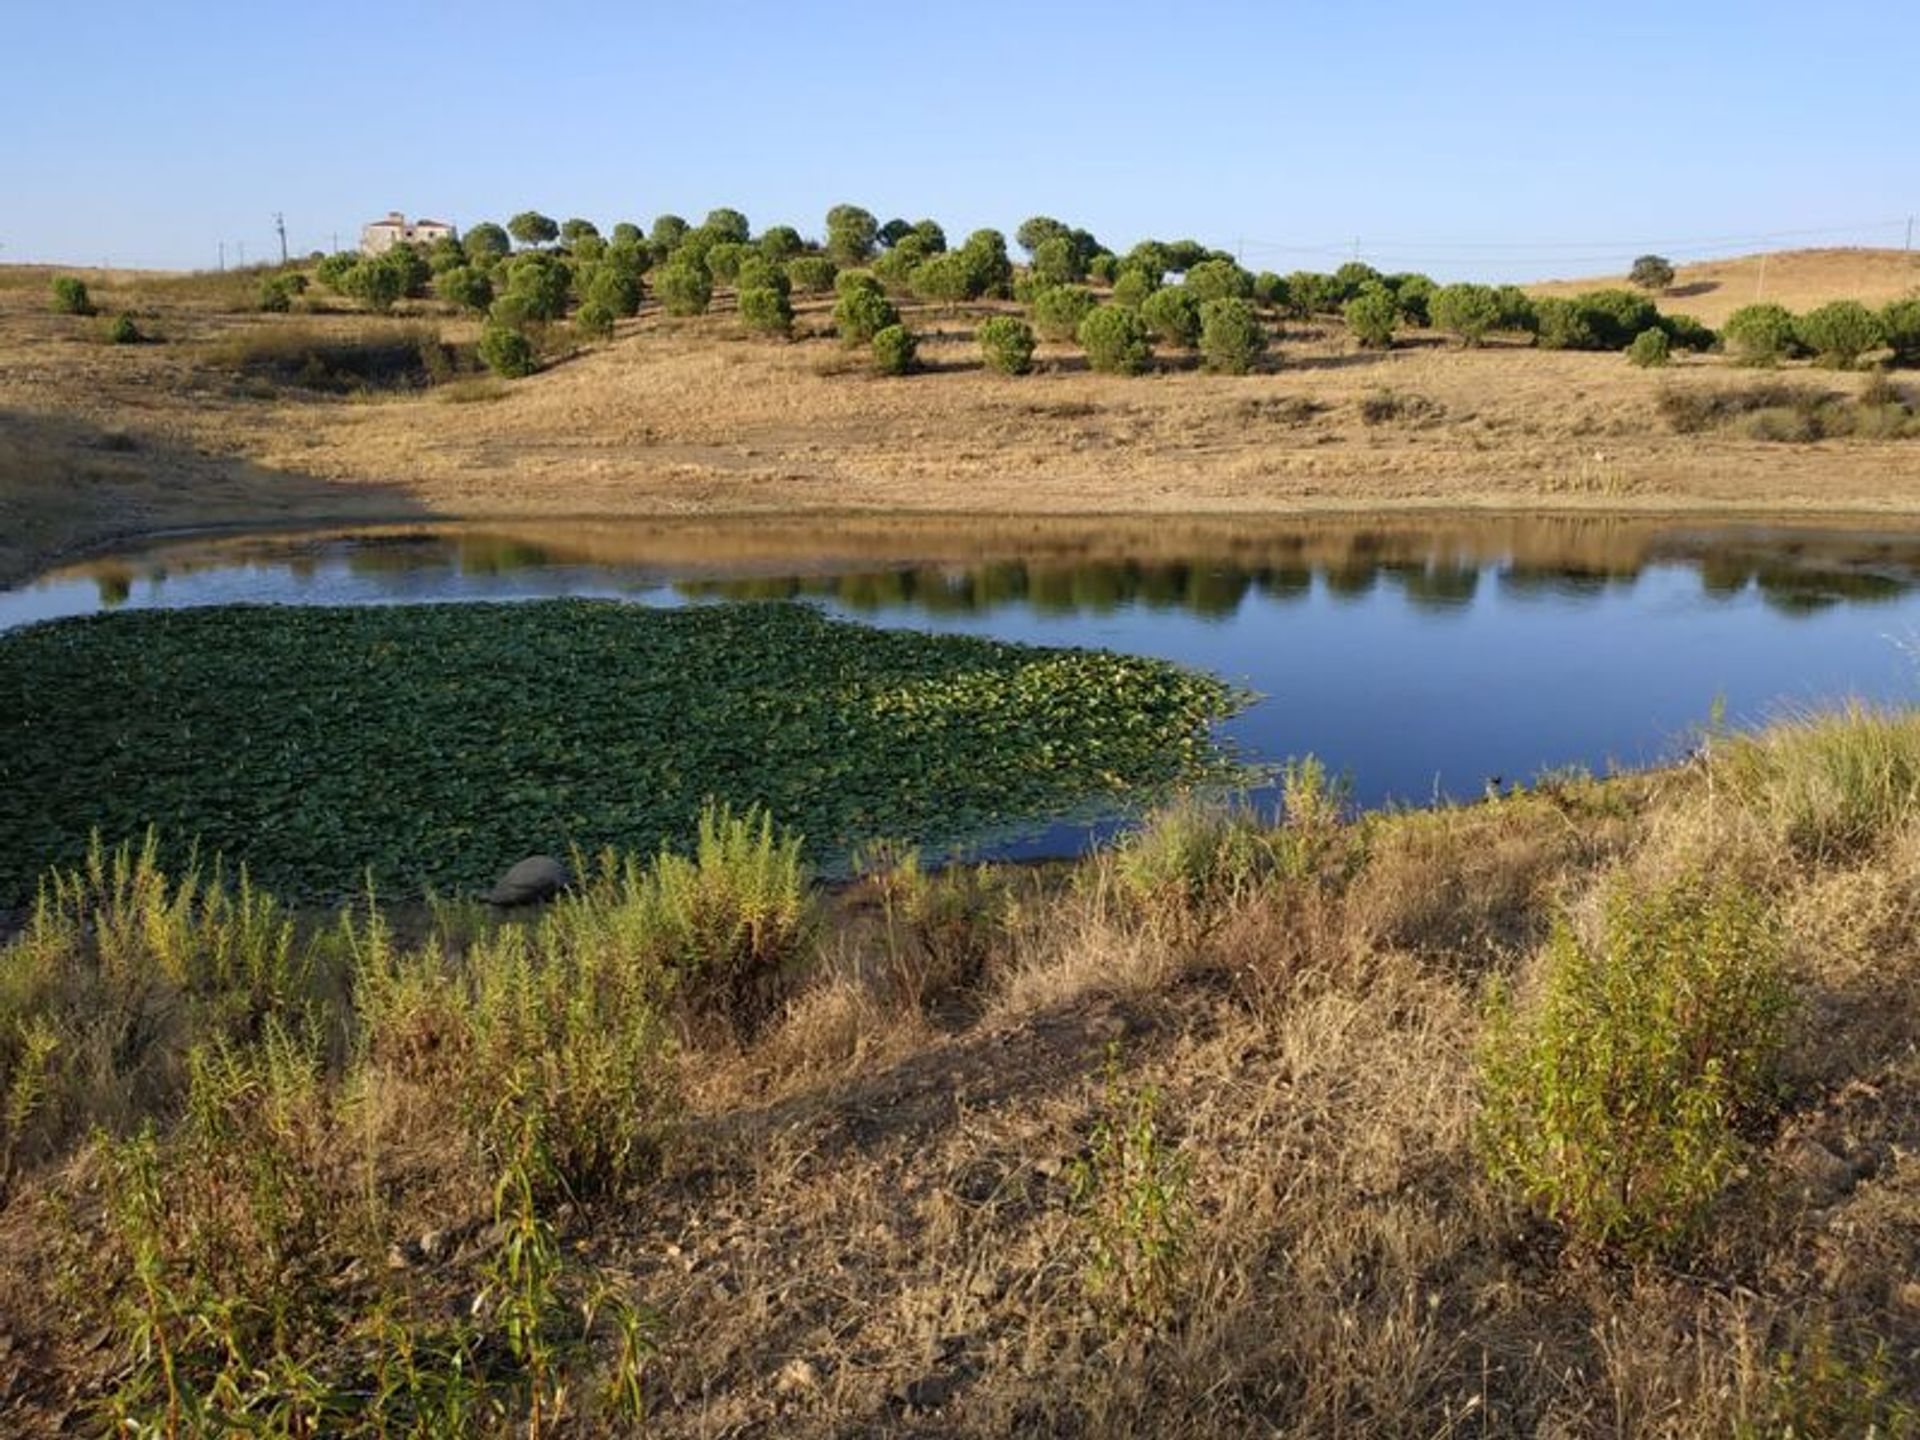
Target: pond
[(1423, 659)]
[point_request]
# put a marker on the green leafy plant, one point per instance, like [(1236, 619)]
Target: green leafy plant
[(1132, 1197), (1059, 309), (1839, 333), (1371, 314), (1616, 1101), (1006, 344), (1650, 349), (862, 313), (1760, 334), (70, 296), (1651, 272), (895, 350), (506, 351), (684, 287), (1116, 340), (765, 308), (1471, 312), (1232, 339), (1172, 315), (124, 330)]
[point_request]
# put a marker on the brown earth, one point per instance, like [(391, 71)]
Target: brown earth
[(101, 442)]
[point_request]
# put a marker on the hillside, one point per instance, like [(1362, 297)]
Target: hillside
[(1711, 290)]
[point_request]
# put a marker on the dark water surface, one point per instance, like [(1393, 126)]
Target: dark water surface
[(1423, 659)]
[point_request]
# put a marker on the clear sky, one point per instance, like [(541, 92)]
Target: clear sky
[(1501, 140)]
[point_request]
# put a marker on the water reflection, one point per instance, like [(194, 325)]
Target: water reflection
[(1421, 657)]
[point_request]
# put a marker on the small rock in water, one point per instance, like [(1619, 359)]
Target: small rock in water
[(538, 877)]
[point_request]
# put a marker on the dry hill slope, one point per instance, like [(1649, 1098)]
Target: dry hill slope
[(1711, 290)]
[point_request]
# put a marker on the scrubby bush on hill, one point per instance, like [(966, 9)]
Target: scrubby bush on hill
[(1371, 315), (124, 331), (1650, 348), (486, 242), (723, 259), (667, 233), (1270, 290), (780, 243), (1232, 339), (812, 274), (863, 312), (1057, 261), (991, 270), (593, 321), (1472, 312), (1561, 324), (1617, 316), (851, 234), (466, 287), (1687, 333), (1310, 294), (506, 351), (1133, 284), (1900, 324), (1838, 333), (1006, 343), (1115, 340), (765, 308), (542, 281), (616, 287), (895, 350), (943, 279), (1172, 316), (684, 287), (1759, 334), (1218, 280), (1059, 309), (727, 223), (374, 283), (1412, 292)]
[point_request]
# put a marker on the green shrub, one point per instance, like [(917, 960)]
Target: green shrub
[(576, 230), (725, 224), (1651, 272), (895, 351), (1900, 324), (1059, 310), (1371, 315), (1058, 261), (333, 269), (593, 321), (1115, 339), (723, 260), (124, 331), (1830, 787), (1232, 339), (1759, 334), (277, 292), (1270, 290), (466, 287), (684, 287), (1615, 1101), (1172, 316), (765, 308), (1134, 284), (1471, 312), (1616, 316), (1218, 279), (812, 274), (542, 281), (1839, 333), (1132, 1201), (944, 279), (851, 234), (1037, 230), (1310, 294), (667, 233), (376, 284), (1650, 349), (779, 243), (70, 296), (1414, 294), (1006, 343), (1687, 333), (1104, 267), (863, 312), (506, 351), (615, 286), (992, 271), (1563, 325), (846, 282)]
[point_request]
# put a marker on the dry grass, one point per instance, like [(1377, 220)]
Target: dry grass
[(695, 418), (867, 1223), (1711, 290)]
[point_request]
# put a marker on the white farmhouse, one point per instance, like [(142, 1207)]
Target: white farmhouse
[(382, 235)]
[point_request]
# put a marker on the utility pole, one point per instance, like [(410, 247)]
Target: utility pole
[(280, 228)]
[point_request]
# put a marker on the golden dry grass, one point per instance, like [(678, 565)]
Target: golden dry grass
[(678, 418), (1711, 290)]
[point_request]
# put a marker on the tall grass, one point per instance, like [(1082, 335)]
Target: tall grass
[(1827, 785)]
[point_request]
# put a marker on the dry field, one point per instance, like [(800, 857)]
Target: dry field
[(100, 442)]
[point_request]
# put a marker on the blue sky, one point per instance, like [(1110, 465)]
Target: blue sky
[(1500, 140)]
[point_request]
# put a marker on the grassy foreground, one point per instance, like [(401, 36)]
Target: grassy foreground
[(432, 746), (1589, 1111)]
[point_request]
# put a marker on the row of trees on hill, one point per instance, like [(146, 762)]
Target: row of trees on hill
[(1120, 307)]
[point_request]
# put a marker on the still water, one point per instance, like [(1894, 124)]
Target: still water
[(1422, 659)]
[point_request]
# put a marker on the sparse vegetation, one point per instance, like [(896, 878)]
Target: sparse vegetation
[(1007, 343), (1116, 340), (1232, 339), (1650, 349), (70, 296), (895, 351)]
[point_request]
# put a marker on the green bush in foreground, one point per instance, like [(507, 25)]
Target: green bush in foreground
[(684, 287), (1760, 334), (1840, 333), (1372, 314), (1471, 312), (593, 321), (1900, 323), (124, 331), (895, 350), (765, 308), (507, 351), (1172, 316), (70, 296), (1614, 1101), (812, 274), (862, 313), (1650, 349), (1059, 309), (1006, 343), (1115, 339)]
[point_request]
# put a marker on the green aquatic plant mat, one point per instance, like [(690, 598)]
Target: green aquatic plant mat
[(432, 745)]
